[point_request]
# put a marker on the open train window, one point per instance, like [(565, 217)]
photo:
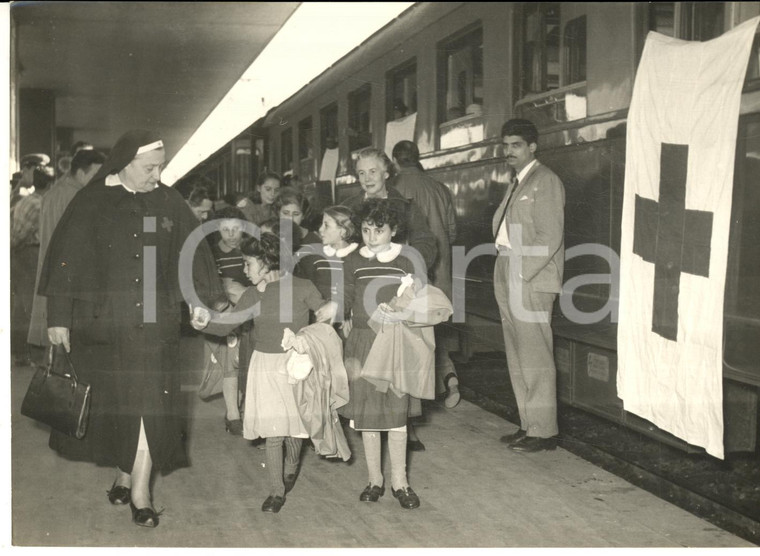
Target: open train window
[(540, 47), (359, 118), (328, 128), (553, 46), (286, 151), (691, 21), (401, 91), (460, 75), (305, 140)]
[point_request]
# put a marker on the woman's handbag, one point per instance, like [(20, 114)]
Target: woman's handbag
[(56, 397)]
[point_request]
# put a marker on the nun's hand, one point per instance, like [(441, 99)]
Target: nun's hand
[(201, 318), (59, 335), (327, 312)]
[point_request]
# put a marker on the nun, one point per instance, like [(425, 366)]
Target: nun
[(112, 279)]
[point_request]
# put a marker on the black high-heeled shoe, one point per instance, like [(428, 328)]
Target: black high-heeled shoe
[(144, 517), (119, 495)]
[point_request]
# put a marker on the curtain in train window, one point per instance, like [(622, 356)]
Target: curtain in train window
[(574, 51), (401, 91), (328, 128), (286, 151), (460, 76), (541, 41), (359, 118), (242, 163), (305, 140)]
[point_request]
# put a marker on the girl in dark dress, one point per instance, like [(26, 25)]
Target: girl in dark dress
[(375, 271), (270, 404)]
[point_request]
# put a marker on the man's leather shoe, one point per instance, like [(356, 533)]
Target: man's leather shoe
[(273, 504), (534, 444), (514, 437), (119, 495), (406, 497), (371, 493)]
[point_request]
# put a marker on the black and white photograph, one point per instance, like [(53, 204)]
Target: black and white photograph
[(381, 275)]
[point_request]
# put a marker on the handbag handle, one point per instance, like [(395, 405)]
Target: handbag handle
[(53, 353)]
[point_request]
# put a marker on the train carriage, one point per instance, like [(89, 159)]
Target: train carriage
[(458, 71)]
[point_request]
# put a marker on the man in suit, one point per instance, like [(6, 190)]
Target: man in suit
[(528, 228)]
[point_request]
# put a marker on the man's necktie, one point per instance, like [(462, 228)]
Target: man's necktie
[(506, 205)]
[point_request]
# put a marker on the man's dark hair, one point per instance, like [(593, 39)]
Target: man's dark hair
[(406, 154), (522, 128), (197, 196), (229, 213), (41, 179), (80, 146), (84, 159)]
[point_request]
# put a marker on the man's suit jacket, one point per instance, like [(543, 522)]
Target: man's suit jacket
[(538, 204)]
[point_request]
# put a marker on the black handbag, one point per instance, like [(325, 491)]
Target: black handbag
[(56, 397)]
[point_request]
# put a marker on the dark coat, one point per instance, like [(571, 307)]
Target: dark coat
[(123, 311), (435, 201)]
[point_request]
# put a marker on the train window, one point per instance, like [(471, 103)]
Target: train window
[(574, 51), (691, 21), (286, 151), (460, 76), (359, 120), (328, 128), (662, 17), (553, 46), (540, 55), (401, 91), (305, 139)]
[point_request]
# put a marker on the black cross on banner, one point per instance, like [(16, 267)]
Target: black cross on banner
[(674, 238)]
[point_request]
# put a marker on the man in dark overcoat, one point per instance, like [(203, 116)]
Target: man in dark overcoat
[(112, 279), (436, 203)]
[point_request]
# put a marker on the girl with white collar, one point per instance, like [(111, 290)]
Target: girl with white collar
[(325, 269), (375, 272)]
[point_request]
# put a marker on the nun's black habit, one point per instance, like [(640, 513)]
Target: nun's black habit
[(97, 286)]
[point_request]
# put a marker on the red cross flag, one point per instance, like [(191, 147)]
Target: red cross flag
[(681, 141)]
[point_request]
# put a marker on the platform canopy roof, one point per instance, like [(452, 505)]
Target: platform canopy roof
[(197, 72)]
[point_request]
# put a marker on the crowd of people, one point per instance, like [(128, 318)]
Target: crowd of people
[(291, 305)]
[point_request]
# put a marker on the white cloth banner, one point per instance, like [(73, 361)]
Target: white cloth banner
[(681, 141), (399, 130)]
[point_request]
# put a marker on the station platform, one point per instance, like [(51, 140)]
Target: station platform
[(474, 492)]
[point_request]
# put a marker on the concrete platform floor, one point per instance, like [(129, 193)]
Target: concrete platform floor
[(474, 492)]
